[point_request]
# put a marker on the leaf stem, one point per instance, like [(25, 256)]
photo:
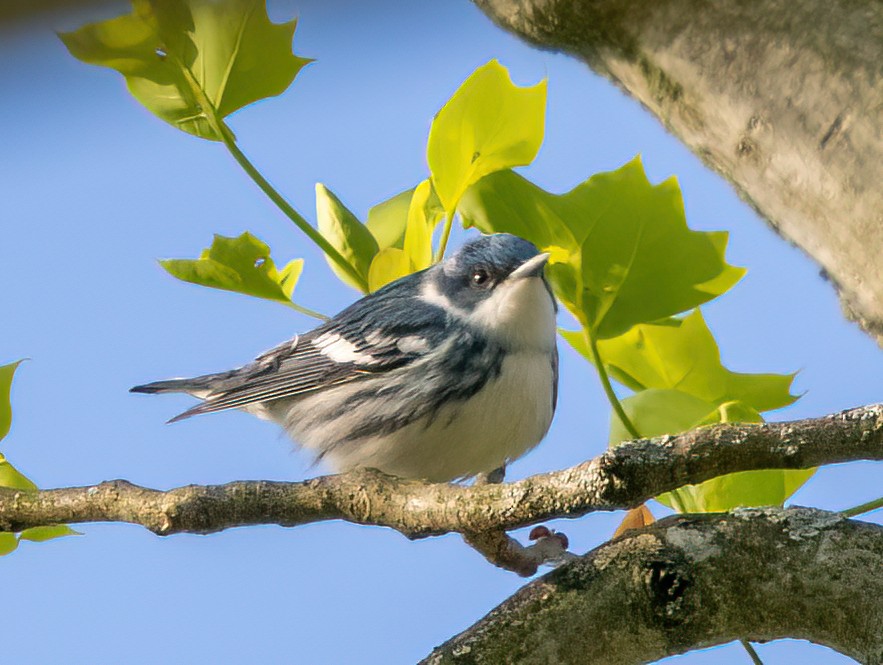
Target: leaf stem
[(605, 382), (307, 311), (446, 233), (226, 135), (751, 652), (292, 214), (876, 504)]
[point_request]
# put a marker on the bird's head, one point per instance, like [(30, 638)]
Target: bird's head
[(496, 284)]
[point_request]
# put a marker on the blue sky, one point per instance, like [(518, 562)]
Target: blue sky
[(95, 189)]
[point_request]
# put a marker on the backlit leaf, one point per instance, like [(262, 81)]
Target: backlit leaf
[(415, 250), (487, 125), (242, 265), (387, 220), (622, 252), (347, 235), (12, 477), (193, 61), (389, 264), (655, 412), (682, 354), (6, 374), (418, 231)]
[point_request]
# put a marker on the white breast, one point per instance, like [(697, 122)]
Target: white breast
[(508, 417)]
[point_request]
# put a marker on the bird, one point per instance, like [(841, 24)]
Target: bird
[(445, 374)]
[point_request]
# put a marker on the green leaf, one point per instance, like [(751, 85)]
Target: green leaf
[(195, 61), (621, 250), (655, 412), (682, 354), (487, 125), (6, 374), (39, 534), (389, 264), (415, 253), (8, 543), (242, 265), (418, 231), (387, 220), (11, 477), (347, 235)]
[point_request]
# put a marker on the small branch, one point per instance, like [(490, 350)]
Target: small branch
[(286, 208), (622, 477), (752, 653), (694, 581)]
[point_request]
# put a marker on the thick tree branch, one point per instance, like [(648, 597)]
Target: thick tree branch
[(784, 98), (693, 581), (622, 477)]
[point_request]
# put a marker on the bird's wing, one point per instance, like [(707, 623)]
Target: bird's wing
[(361, 341)]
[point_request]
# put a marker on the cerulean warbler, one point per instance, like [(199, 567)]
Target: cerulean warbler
[(446, 373)]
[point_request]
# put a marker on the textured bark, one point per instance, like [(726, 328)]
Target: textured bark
[(784, 98), (622, 477), (695, 581)]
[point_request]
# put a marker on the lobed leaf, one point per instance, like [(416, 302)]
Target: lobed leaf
[(191, 62), (655, 412), (488, 124), (682, 354), (242, 265), (622, 253)]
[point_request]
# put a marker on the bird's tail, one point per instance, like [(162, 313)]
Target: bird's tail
[(198, 386), (169, 386)]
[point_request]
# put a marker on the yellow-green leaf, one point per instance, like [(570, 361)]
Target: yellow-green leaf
[(347, 235), (682, 354), (242, 265), (487, 125), (415, 250), (388, 219), (389, 264), (8, 543), (39, 534), (418, 232), (194, 61), (12, 477), (655, 412), (622, 251), (6, 374)]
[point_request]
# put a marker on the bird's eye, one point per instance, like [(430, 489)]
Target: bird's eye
[(480, 277)]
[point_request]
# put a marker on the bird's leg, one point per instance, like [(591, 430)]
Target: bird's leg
[(494, 477), (505, 552)]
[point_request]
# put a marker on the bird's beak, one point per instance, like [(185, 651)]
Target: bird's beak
[(530, 268)]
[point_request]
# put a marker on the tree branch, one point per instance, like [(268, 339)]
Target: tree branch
[(694, 581), (783, 98), (622, 477)]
